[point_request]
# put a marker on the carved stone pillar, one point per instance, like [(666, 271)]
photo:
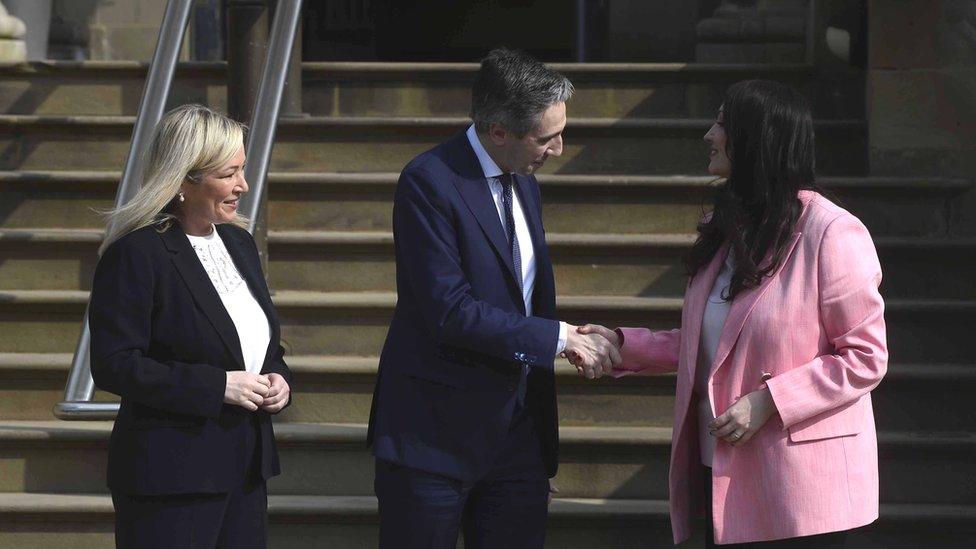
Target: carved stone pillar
[(13, 50)]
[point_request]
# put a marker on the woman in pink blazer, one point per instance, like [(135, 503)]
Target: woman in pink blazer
[(782, 339)]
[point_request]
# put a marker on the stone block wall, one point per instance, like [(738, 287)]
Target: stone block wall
[(921, 87)]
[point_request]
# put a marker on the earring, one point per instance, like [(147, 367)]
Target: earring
[(182, 198)]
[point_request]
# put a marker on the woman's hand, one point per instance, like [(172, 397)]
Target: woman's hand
[(246, 390), (607, 333), (593, 354), (741, 421), (278, 394)]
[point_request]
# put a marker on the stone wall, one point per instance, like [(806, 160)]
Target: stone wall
[(921, 87)]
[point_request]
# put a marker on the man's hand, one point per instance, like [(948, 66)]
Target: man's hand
[(278, 394), (592, 354), (246, 390), (744, 418)]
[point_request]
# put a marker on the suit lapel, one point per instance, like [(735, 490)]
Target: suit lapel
[(202, 290), (250, 270), (743, 304), (694, 307), (473, 188), (543, 295)]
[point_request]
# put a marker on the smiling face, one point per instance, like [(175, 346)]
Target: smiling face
[(213, 199), (719, 163), (525, 155)]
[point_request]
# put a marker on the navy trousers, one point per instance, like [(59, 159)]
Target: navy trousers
[(506, 509), (231, 520)]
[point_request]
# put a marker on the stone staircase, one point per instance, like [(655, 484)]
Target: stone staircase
[(619, 207)]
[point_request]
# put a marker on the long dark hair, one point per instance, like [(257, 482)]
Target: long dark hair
[(770, 144)]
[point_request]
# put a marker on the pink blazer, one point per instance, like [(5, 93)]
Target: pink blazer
[(817, 325)]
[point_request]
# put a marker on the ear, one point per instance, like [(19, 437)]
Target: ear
[(498, 134)]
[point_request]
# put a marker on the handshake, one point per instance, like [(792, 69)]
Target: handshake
[(593, 349)]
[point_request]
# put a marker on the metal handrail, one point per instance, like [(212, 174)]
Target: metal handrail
[(80, 388), (267, 106)]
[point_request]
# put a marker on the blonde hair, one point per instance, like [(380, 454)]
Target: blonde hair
[(189, 142)]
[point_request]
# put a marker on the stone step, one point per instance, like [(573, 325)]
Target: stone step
[(361, 144), (355, 323), (598, 264), (889, 206), (595, 462), (55, 521), (59, 521), (913, 397), (420, 89)]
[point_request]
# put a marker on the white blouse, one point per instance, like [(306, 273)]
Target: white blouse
[(253, 329), (713, 320)]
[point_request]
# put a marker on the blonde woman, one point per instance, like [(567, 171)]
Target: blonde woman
[(184, 331)]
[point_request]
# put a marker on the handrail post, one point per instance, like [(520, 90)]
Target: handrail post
[(267, 108), (80, 387), (291, 102)]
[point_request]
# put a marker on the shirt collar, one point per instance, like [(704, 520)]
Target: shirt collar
[(488, 165)]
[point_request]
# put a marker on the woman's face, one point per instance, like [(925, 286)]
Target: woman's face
[(214, 199), (719, 163)]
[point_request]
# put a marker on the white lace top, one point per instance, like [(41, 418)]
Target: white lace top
[(249, 319)]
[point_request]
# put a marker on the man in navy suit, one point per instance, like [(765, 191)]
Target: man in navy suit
[(463, 423)]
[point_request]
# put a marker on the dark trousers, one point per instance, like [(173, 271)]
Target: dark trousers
[(832, 540), (506, 509), (231, 520)]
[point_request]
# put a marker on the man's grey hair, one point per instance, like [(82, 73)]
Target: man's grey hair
[(513, 89)]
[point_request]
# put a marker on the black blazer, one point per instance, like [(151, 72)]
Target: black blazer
[(162, 340), (453, 356)]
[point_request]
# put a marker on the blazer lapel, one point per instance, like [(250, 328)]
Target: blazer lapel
[(694, 307), (202, 290), (543, 296), (250, 268), (743, 304), (473, 188)]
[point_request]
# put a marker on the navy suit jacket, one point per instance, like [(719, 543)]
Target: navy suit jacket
[(453, 357), (162, 340)]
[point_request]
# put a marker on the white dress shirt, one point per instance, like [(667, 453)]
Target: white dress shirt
[(713, 321), (249, 319), (527, 252)]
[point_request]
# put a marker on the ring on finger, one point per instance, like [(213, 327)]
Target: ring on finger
[(735, 436)]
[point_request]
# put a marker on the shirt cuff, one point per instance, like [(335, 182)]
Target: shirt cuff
[(563, 334)]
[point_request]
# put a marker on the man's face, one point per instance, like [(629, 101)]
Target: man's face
[(525, 155)]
